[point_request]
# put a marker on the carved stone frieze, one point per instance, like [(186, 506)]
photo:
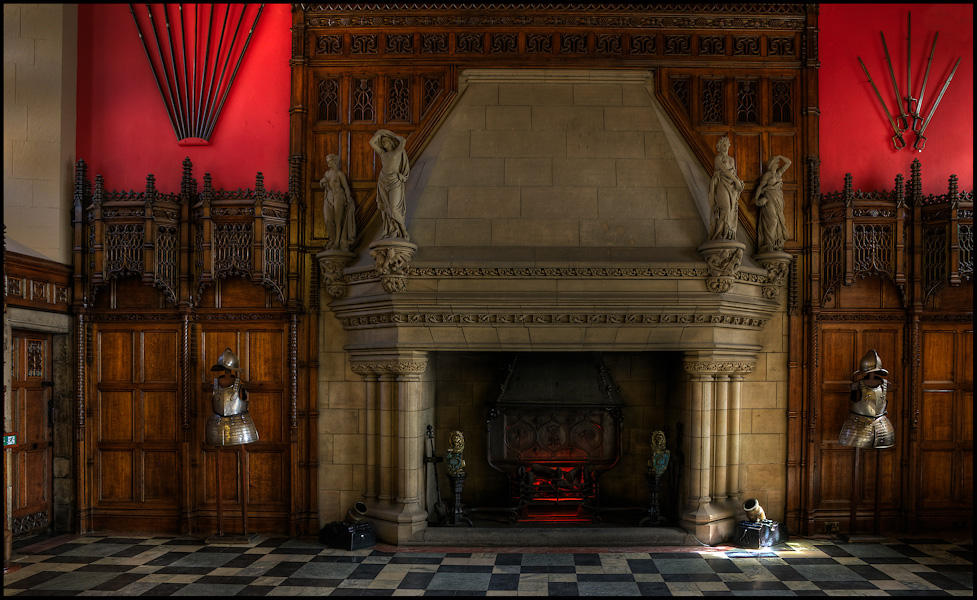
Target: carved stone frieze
[(694, 367), (536, 272), (399, 365), (546, 318)]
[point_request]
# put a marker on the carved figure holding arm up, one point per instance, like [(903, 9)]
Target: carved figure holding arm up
[(338, 206), (772, 226), (724, 192), (394, 171)]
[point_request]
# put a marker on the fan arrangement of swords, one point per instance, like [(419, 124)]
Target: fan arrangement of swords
[(913, 104), (192, 99)]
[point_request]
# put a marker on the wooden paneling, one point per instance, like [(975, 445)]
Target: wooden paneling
[(880, 277)]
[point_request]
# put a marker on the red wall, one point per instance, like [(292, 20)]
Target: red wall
[(124, 133), (123, 129), (855, 135)]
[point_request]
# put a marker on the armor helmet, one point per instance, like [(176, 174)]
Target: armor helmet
[(227, 361), (871, 363)]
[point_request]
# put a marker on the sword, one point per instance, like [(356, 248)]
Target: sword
[(920, 142), (909, 68), (917, 120), (897, 140), (903, 117)]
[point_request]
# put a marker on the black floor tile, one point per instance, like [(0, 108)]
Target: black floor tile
[(755, 585), (504, 581), (723, 565), (942, 581), (562, 589), (416, 581)]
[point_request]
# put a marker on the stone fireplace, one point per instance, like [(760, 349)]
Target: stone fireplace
[(555, 211)]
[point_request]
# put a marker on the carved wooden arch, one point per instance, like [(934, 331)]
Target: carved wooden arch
[(359, 68)]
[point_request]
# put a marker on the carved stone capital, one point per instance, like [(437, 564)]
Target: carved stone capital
[(409, 363), (724, 367), (392, 257), (723, 258), (332, 263), (777, 265)]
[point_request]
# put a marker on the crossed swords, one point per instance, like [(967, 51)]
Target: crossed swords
[(912, 106)]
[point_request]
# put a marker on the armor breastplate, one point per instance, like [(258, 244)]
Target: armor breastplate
[(230, 424), (871, 401), (229, 400), (866, 425)]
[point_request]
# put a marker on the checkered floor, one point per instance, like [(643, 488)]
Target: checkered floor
[(129, 565)]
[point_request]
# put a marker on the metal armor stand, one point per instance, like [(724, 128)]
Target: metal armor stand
[(244, 538)]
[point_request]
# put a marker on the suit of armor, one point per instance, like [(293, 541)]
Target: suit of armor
[(230, 424), (866, 425)]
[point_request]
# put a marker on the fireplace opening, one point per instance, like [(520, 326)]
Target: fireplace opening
[(560, 437), (554, 429)]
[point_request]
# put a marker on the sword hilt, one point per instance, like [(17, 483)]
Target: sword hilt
[(898, 142), (917, 122), (920, 142), (903, 121)]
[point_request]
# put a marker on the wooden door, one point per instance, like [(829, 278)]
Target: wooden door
[(945, 463), (136, 427), (31, 397)]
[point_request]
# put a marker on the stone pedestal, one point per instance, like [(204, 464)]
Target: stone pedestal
[(724, 258), (332, 263), (777, 265), (392, 258)]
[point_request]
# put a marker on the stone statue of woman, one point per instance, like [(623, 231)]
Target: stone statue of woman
[(338, 206), (772, 226), (394, 171), (724, 192)]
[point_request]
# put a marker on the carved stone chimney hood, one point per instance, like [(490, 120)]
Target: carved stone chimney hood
[(554, 210)]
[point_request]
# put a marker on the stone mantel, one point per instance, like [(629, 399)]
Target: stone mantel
[(621, 308)]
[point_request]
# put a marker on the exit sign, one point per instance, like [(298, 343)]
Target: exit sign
[(9, 439)]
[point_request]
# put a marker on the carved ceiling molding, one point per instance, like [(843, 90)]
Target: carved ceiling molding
[(546, 318), (649, 16)]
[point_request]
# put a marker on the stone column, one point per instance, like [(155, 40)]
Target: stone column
[(719, 458), (700, 445), (734, 492), (714, 400), (395, 502), (372, 425)]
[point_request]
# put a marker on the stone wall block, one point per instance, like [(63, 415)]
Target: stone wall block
[(565, 202), (536, 94), (518, 118), (483, 202)]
